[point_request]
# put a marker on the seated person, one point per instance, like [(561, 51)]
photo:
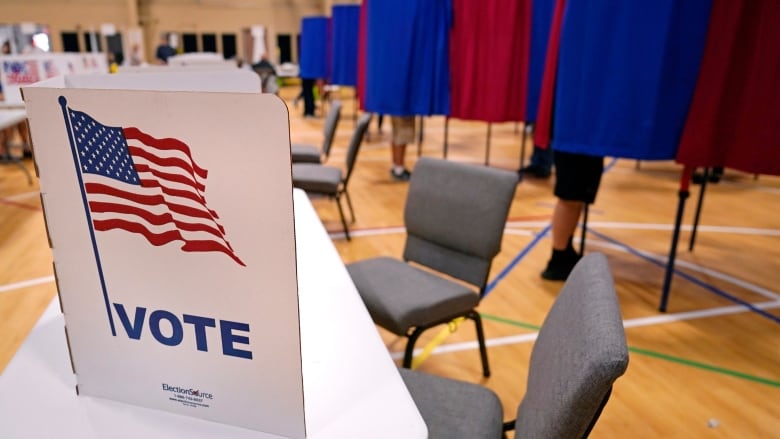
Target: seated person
[(267, 73)]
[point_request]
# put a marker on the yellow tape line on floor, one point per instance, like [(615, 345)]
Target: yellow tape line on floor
[(439, 339)]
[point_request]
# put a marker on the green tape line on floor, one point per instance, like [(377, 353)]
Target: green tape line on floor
[(654, 354)]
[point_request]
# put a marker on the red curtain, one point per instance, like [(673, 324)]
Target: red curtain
[(543, 130), (361, 56), (489, 52), (734, 119)]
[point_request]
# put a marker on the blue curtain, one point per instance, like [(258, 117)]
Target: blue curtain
[(407, 57), (541, 20), (315, 41), (345, 22), (626, 75)]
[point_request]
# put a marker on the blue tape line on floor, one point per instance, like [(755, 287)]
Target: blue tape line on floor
[(517, 259), (689, 278), (610, 165)]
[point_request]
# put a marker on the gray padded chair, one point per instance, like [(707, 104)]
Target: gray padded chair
[(329, 180), (579, 353), (302, 153), (455, 215)]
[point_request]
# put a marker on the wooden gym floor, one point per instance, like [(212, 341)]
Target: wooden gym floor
[(708, 367)]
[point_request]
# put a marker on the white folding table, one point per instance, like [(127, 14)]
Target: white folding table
[(12, 115), (352, 388)]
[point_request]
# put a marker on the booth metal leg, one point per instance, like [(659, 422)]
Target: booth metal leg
[(354, 109), (683, 195), (420, 136), (446, 135), (698, 209), (487, 149), (584, 228), (522, 148)]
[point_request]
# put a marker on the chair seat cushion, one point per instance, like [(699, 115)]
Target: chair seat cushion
[(454, 409), (316, 178), (305, 153), (400, 296)]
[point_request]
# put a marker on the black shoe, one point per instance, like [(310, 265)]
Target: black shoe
[(404, 175), (713, 177), (535, 171), (561, 264)]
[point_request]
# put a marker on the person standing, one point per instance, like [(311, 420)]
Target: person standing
[(267, 72), (403, 134), (307, 94), (135, 58), (164, 50), (406, 66)]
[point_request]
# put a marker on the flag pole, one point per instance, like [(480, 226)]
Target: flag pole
[(64, 104)]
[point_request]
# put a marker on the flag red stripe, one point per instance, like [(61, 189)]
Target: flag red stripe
[(179, 193), (210, 246), (176, 178), (137, 151), (160, 239), (149, 200), (156, 239), (166, 144), (152, 218)]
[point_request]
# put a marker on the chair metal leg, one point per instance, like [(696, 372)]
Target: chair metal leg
[(473, 315), (409, 352), (343, 220), (349, 204), (16, 161)]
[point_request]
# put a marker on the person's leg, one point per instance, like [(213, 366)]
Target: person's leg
[(544, 159), (308, 97), (577, 180), (399, 152), (564, 257), (403, 134), (541, 163), (565, 218), (714, 175)]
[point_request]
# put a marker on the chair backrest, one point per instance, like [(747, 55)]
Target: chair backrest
[(354, 144), (455, 216), (331, 122), (580, 351)]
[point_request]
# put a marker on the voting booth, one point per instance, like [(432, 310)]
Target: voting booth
[(17, 71), (177, 283)]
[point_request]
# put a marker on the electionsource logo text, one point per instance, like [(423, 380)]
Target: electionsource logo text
[(187, 391)]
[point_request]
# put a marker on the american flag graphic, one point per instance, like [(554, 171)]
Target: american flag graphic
[(50, 69), (21, 72), (145, 185)]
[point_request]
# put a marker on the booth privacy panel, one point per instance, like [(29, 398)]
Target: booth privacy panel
[(315, 47), (626, 75), (345, 22), (734, 119), (407, 56)]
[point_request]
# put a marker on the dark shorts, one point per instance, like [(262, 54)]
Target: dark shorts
[(577, 176)]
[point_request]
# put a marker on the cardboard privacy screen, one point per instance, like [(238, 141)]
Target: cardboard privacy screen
[(18, 71), (171, 225)]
